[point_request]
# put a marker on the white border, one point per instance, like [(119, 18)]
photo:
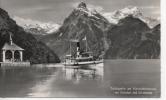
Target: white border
[(163, 50), (163, 69)]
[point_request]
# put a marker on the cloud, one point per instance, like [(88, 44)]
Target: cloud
[(150, 7), (89, 6), (48, 26), (152, 10), (156, 12), (97, 8), (74, 5), (158, 18), (23, 21), (34, 9)]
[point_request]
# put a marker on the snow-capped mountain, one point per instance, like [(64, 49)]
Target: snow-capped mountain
[(81, 22), (125, 40), (37, 27), (82, 7), (47, 28), (34, 51), (115, 16)]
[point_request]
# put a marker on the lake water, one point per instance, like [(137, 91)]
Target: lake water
[(133, 78), (51, 82), (95, 81)]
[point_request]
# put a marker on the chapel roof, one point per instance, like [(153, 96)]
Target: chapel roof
[(13, 46)]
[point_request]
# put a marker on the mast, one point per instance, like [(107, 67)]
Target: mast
[(70, 51), (86, 46), (70, 47), (10, 39)]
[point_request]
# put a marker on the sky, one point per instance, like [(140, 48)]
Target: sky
[(55, 11)]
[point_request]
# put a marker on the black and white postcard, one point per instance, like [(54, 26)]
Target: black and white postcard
[(80, 48)]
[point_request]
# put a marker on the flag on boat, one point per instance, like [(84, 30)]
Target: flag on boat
[(84, 38)]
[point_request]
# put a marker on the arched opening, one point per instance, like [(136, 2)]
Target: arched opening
[(17, 56), (8, 55)]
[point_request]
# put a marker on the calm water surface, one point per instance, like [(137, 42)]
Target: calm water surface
[(52, 82), (95, 81)]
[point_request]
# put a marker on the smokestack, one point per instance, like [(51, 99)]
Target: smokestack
[(78, 49)]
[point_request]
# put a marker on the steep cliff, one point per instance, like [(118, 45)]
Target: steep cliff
[(35, 51)]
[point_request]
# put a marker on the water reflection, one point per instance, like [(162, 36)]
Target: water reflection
[(51, 82), (16, 82), (84, 73)]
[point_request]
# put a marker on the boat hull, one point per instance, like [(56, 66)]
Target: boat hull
[(83, 63)]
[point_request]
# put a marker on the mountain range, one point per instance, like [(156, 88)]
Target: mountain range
[(36, 27), (34, 50), (115, 16), (123, 34), (41, 28), (114, 40), (133, 39), (79, 24)]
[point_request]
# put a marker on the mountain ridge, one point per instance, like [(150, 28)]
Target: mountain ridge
[(34, 51), (39, 28), (133, 39), (134, 11), (44, 27), (115, 41), (80, 23), (129, 38)]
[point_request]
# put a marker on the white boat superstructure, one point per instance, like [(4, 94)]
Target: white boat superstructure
[(85, 58)]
